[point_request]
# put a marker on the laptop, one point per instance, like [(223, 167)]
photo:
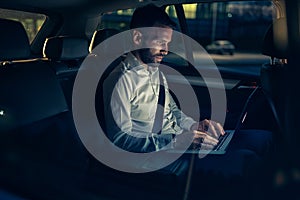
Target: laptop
[(224, 140)]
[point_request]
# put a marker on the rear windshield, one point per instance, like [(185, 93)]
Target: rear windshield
[(32, 22)]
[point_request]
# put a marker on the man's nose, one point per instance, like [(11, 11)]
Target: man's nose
[(164, 52), (165, 48)]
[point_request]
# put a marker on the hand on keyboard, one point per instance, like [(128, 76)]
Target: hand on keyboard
[(209, 127), (206, 146), (203, 139)]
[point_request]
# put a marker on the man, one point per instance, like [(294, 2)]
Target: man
[(131, 95), (135, 95)]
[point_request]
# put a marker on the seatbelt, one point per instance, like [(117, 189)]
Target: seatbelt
[(157, 126)]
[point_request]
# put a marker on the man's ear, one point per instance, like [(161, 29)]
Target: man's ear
[(137, 37)]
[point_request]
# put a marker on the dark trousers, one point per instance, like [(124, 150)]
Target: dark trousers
[(248, 148), (238, 174), (239, 170)]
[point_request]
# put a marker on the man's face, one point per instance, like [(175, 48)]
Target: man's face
[(158, 39)]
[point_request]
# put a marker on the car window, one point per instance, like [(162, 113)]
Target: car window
[(118, 19), (240, 25), (31, 21)]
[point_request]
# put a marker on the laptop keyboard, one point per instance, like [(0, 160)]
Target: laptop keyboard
[(221, 141)]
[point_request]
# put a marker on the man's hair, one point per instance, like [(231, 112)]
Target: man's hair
[(149, 16)]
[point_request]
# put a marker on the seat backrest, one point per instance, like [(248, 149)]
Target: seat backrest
[(35, 122), (65, 55), (14, 42), (29, 93), (34, 116), (24, 86), (275, 45), (98, 37)]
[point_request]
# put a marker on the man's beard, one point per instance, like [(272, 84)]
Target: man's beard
[(147, 57)]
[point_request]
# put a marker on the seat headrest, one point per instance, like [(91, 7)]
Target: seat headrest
[(66, 48), (14, 42), (102, 35), (275, 43)]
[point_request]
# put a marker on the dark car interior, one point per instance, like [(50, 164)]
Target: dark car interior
[(41, 153)]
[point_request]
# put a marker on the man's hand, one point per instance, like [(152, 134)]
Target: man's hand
[(204, 140), (209, 127), (207, 133)]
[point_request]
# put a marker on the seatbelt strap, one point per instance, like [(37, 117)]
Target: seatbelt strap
[(157, 126)]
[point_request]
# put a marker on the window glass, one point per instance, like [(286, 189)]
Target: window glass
[(119, 19), (190, 10), (243, 23), (32, 22), (239, 27)]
